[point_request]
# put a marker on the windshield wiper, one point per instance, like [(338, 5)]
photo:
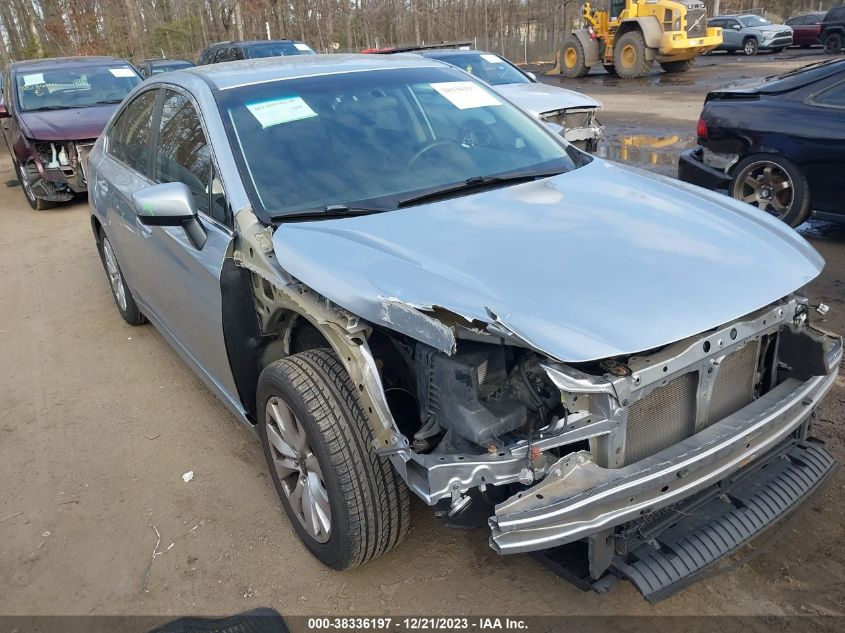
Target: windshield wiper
[(328, 212), (43, 108), (477, 182)]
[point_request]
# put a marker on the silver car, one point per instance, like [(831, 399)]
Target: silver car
[(576, 113), (751, 33), (404, 283)]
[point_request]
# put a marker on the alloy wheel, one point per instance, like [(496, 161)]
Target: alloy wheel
[(766, 186), (298, 470), (115, 278)]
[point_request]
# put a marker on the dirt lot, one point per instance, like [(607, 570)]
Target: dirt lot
[(99, 420)]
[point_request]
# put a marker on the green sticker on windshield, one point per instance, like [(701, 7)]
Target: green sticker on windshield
[(284, 110)]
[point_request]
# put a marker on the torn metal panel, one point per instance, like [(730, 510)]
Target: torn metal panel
[(410, 320), (277, 294), (561, 273)]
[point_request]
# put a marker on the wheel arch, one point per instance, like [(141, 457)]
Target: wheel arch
[(590, 46), (648, 26)]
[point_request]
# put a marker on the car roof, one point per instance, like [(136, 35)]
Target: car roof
[(247, 42), (449, 52), (57, 62), (253, 71)]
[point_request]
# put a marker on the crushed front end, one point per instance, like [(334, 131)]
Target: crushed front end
[(581, 126), (55, 171), (603, 463), (688, 426)]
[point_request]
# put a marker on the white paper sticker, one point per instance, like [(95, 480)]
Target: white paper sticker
[(487, 57), (466, 94), (284, 110), (302, 47), (122, 72), (34, 79)]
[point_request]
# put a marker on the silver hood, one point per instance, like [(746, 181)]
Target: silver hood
[(538, 98), (602, 261)]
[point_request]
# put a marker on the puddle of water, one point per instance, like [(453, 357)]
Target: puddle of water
[(822, 230), (645, 149)]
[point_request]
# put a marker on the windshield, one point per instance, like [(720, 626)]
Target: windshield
[(753, 20), (488, 67), (76, 87), (277, 49), (376, 138), (159, 67)]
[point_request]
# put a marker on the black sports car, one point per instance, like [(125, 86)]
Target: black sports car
[(778, 144)]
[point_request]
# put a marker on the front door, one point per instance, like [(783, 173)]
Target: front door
[(179, 282)]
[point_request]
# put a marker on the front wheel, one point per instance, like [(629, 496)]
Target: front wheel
[(773, 184), (630, 56), (750, 46), (346, 503), (39, 204), (832, 43), (573, 61)]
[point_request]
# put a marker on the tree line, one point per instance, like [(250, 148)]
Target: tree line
[(138, 29)]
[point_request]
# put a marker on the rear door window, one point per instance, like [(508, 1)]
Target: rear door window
[(832, 97), (128, 138)]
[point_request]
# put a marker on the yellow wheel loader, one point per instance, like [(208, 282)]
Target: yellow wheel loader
[(629, 37)]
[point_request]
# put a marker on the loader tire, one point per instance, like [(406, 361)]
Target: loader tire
[(678, 67), (573, 61), (629, 56)]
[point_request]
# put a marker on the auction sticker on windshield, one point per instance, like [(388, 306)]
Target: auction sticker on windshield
[(122, 72), (275, 111), (465, 94), (302, 47), (34, 79), (487, 57)]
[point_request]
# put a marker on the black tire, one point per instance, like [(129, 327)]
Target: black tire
[(678, 67), (37, 204), (793, 210), (629, 56), (573, 61), (368, 501), (750, 46), (128, 308), (832, 43)]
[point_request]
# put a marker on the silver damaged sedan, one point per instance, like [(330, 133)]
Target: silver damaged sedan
[(404, 283)]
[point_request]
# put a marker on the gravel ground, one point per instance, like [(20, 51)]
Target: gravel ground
[(99, 421)]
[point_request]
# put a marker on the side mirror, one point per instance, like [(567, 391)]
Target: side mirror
[(736, 27), (532, 76), (170, 204), (4, 111)]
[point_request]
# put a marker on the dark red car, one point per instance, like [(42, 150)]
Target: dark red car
[(52, 112), (806, 29)]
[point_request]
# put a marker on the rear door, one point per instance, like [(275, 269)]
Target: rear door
[(826, 173), (121, 172)]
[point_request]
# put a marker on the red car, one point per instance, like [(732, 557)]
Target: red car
[(806, 29), (52, 112)]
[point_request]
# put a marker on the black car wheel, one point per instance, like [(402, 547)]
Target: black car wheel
[(38, 204), (347, 504), (832, 43), (773, 184), (750, 46)]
